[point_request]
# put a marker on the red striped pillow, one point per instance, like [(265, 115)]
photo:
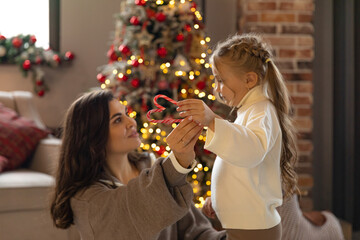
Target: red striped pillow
[(18, 138)]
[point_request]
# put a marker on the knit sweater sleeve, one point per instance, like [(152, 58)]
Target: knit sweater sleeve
[(154, 200), (242, 145), (196, 226)]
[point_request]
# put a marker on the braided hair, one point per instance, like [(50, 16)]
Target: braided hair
[(249, 53)]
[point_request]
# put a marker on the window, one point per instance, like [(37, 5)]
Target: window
[(26, 17)]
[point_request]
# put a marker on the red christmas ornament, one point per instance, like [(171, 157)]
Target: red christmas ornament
[(38, 60), (56, 58), (180, 37), (187, 27), (69, 55), (2, 37), (124, 49), (111, 54), (26, 65), (17, 42), (32, 39), (140, 2), (150, 13), (134, 20), (135, 83), (201, 85), (124, 78), (135, 63), (39, 82), (101, 78), (193, 5), (162, 52), (163, 85), (161, 150), (161, 17), (41, 93), (144, 107)]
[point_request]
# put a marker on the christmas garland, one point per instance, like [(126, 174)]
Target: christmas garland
[(21, 50)]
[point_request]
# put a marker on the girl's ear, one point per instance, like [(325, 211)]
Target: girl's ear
[(252, 79)]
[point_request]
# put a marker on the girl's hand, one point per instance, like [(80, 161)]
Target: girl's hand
[(182, 141), (198, 110), (207, 208)]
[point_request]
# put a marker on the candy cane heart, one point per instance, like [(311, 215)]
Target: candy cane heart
[(160, 109)]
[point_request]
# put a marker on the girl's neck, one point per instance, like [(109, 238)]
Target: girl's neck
[(121, 168)]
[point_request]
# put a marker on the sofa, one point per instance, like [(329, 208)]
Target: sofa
[(25, 191)]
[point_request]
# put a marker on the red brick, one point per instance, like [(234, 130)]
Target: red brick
[(293, 53), (297, 5), (305, 181), (303, 124), (287, 53), (304, 158), (298, 29), (303, 100), (305, 18), (291, 87), (298, 76), (285, 65), (278, 17), (251, 18), (305, 53), (305, 146), (305, 65), (304, 87), (259, 28), (304, 112), (280, 41), (306, 41), (261, 6)]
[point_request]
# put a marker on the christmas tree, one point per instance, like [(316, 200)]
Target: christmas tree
[(160, 47), (21, 50)]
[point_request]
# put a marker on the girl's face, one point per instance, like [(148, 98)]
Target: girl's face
[(231, 86), (123, 137)]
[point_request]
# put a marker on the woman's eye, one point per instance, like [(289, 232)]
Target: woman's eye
[(117, 120)]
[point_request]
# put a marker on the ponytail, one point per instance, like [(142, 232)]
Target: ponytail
[(278, 93)]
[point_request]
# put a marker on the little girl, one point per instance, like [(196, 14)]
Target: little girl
[(256, 153)]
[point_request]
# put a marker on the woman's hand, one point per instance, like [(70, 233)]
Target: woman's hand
[(182, 141), (207, 208), (198, 110)]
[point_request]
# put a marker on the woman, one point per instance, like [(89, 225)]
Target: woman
[(110, 192)]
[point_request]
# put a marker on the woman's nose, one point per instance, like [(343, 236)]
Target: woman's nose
[(131, 122)]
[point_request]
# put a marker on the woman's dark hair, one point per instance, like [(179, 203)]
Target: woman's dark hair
[(83, 152)]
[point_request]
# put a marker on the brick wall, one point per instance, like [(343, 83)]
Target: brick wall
[(287, 26)]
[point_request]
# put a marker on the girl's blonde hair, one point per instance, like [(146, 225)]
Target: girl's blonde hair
[(249, 53)]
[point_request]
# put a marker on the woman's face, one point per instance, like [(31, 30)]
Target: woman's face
[(230, 85), (123, 137)]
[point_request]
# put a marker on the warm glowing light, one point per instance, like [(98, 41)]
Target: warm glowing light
[(159, 2), (140, 60), (196, 26), (157, 148), (196, 170), (125, 103), (158, 138), (195, 190), (151, 130), (173, 125), (208, 183), (196, 91), (115, 71), (210, 96), (103, 86), (143, 130), (183, 91), (145, 136), (129, 62), (207, 65), (163, 133), (196, 182), (191, 77), (147, 147), (191, 73), (182, 1), (203, 55), (211, 77), (182, 63), (194, 176), (206, 169), (165, 71), (168, 148), (142, 145), (207, 39), (167, 64), (146, 124), (107, 81), (197, 73), (209, 51), (202, 61), (208, 193), (158, 130), (202, 94), (128, 71), (190, 90), (202, 42), (153, 145), (132, 57), (120, 75), (201, 137)]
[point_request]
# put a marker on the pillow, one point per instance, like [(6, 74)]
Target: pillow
[(18, 138)]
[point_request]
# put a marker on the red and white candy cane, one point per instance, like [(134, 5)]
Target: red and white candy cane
[(160, 109)]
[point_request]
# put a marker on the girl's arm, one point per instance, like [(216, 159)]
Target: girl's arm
[(243, 146)]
